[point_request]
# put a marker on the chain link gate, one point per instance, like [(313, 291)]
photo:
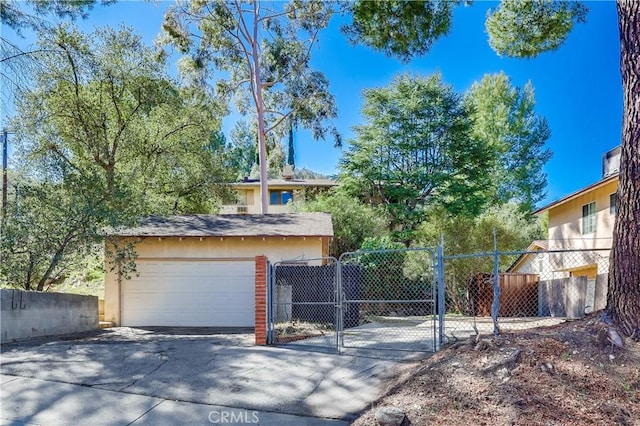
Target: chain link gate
[(303, 295), (388, 300), (381, 300)]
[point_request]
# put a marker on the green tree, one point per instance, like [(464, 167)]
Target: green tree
[(416, 150), (291, 154), (515, 230), (16, 64), (103, 104), (106, 137), (47, 231), (353, 221), (242, 152), (523, 29), (504, 119), (399, 28), (265, 49)]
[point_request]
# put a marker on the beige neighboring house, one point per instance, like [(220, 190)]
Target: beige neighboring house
[(199, 270), (281, 193), (583, 222)]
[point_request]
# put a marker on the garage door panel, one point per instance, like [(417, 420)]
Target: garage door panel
[(188, 293), (196, 286), (205, 268)]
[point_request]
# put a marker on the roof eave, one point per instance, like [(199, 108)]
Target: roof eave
[(578, 193)]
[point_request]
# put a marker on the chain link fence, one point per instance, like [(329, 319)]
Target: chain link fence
[(418, 299), (502, 291), (388, 300)]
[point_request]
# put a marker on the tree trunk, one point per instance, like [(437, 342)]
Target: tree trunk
[(623, 299), (262, 137)]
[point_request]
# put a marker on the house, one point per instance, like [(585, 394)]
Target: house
[(199, 270), (281, 192), (581, 222), (574, 262)]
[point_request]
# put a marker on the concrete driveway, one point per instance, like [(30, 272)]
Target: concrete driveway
[(127, 376)]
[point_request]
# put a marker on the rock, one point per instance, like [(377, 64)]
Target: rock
[(389, 416), (503, 374), (614, 337)]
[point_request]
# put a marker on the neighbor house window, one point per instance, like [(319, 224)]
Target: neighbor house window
[(278, 197), (589, 218), (613, 203)]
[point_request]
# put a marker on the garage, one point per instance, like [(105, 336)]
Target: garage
[(185, 293), (200, 270)]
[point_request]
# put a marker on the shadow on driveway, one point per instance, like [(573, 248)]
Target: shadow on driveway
[(204, 367)]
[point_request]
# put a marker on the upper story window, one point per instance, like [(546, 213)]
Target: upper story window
[(613, 203), (589, 218), (279, 197)]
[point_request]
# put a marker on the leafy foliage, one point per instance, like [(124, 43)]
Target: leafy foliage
[(353, 221), (14, 15), (242, 152), (399, 28), (416, 150), (514, 230), (505, 120), (45, 233), (524, 29)]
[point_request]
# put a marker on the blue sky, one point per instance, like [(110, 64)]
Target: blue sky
[(578, 88)]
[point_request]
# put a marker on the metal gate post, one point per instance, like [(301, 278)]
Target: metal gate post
[(270, 319), (441, 300), (495, 307), (339, 309)]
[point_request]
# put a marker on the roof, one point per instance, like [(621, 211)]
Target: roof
[(578, 193), (289, 182), (232, 225), (536, 245)]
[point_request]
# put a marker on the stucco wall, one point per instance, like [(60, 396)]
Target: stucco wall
[(215, 248), (565, 221), (28, 314)]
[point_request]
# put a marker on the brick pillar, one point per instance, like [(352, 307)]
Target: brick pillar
[(261, 300)]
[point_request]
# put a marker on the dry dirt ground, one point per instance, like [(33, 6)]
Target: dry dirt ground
[(567, 374)]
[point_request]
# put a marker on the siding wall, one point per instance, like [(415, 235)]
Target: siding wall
[(565, 221)]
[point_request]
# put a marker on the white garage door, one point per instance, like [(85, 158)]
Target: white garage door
[(190, 294)]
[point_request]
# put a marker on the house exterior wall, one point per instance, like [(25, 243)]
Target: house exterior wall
[(238, 248), (249, 200), (565, 220), (566, 233)]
